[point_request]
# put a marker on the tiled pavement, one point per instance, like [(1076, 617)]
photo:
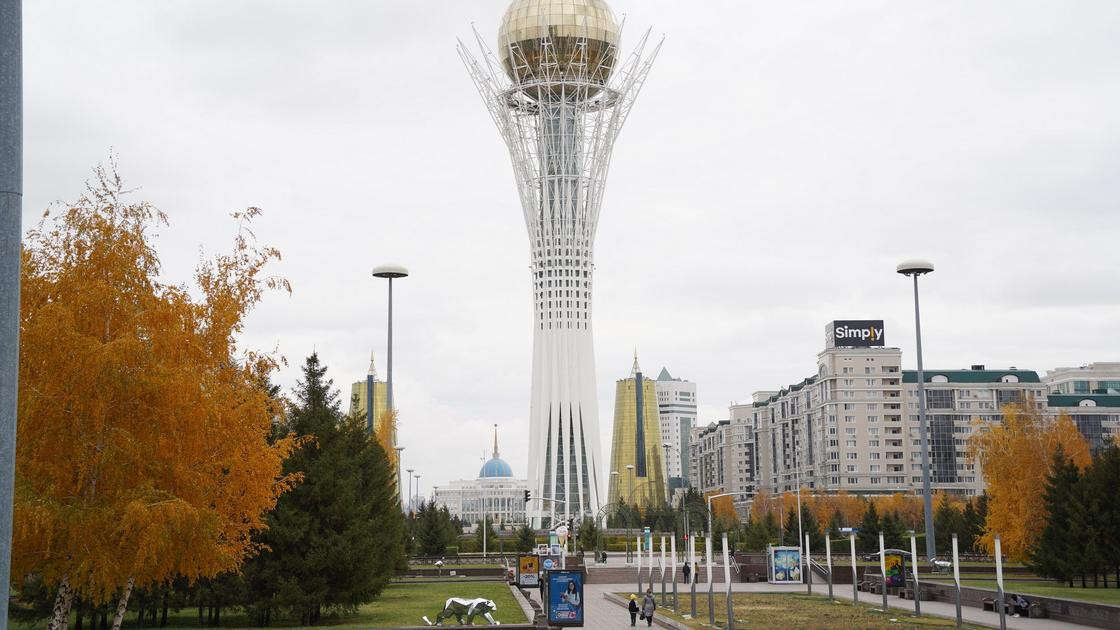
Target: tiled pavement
[(602, 614)]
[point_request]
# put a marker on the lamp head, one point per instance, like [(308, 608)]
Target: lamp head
[(390, 271), (914, 267)]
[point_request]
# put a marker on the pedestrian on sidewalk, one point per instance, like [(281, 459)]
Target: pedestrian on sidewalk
[(649, 604), (695, 571), (633, 609), (687, 568)]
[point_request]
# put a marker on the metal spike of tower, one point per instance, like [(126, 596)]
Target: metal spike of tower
[(559, 94)]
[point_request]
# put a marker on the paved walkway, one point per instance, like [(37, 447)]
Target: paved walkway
[(600, 613), (945, 609)]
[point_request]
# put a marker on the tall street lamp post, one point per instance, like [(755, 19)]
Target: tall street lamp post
[(915, 268), (630, 493), (410, 470), (400, 481), (11, 204), (390, 272), (667, 446), (417, 489)]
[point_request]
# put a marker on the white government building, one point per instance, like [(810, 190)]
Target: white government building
[(495, 493)]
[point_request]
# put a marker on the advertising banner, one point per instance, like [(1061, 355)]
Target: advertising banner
[(857, 333), (785, 565), (896, 569), (528, 567), (565, 598)]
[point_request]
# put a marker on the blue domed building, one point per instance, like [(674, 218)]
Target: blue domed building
[(495, 493)]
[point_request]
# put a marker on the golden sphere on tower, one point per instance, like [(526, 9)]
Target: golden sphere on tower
[(567, 24)]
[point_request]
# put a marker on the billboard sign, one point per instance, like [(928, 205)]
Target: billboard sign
[(896, 569), (856, 333), (565, 598), (785, 565), (528, 567)]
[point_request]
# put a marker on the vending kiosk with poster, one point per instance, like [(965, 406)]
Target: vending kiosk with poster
[(785, 565), (565, 598), (895, 561), (528, 568)]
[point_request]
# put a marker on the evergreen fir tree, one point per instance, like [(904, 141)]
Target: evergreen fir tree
[(491, 534), (810, 527), (526, 539), (435, 530), (1104, 478), (948, 520), (789, 534), (966, 538), (868, 538), (834, 525), (335, 540), (894, 532), (1053, 557)]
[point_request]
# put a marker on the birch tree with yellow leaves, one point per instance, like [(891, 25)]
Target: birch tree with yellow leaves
[(142, 449), (1015, 457)]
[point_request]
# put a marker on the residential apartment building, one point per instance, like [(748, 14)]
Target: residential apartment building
[(676, 403), (1094, 378), (721, 460), (853, 425)]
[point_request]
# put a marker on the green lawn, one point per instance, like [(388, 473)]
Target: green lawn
[(805, 612), (1049, 589), (401, 604)]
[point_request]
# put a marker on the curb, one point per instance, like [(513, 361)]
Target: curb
[(526, 607)]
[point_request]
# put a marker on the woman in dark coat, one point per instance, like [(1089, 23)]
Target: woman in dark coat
[(649, 604)]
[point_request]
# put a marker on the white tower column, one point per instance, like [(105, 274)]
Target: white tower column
[(559, 96)]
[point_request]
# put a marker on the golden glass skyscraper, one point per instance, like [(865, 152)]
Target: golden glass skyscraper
[(360, 394), (636, 450)]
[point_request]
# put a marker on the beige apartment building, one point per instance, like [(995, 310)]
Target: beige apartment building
[(721, 460), (853, 425)]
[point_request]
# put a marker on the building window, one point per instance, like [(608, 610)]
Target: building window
[(939, 398)]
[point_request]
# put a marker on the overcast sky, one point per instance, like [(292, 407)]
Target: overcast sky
[(782, 158)]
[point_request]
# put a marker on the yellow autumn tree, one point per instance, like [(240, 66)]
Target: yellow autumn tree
[(386, 430), (723, 509), (142, 448), (1015, 457)]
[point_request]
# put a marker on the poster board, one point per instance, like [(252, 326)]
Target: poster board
[(565, 598), (528, 568), (785, 565), (896, 569)]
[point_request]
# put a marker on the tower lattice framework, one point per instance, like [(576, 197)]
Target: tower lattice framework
[(559, 99)]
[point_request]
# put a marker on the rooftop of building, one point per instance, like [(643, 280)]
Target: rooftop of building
[(775, 396), (496, 467), (1083, 400), (1098, 366), (713, 426), (976, 374)]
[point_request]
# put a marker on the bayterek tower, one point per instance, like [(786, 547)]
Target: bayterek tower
[(559, 91)]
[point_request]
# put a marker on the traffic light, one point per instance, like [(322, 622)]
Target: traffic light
[(526, 496)]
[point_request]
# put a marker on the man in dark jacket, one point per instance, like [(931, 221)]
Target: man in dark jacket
[(687, 571)]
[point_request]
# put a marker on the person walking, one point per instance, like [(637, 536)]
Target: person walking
[(695, 571), (649, 604), (687, 568), (633, 609)]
